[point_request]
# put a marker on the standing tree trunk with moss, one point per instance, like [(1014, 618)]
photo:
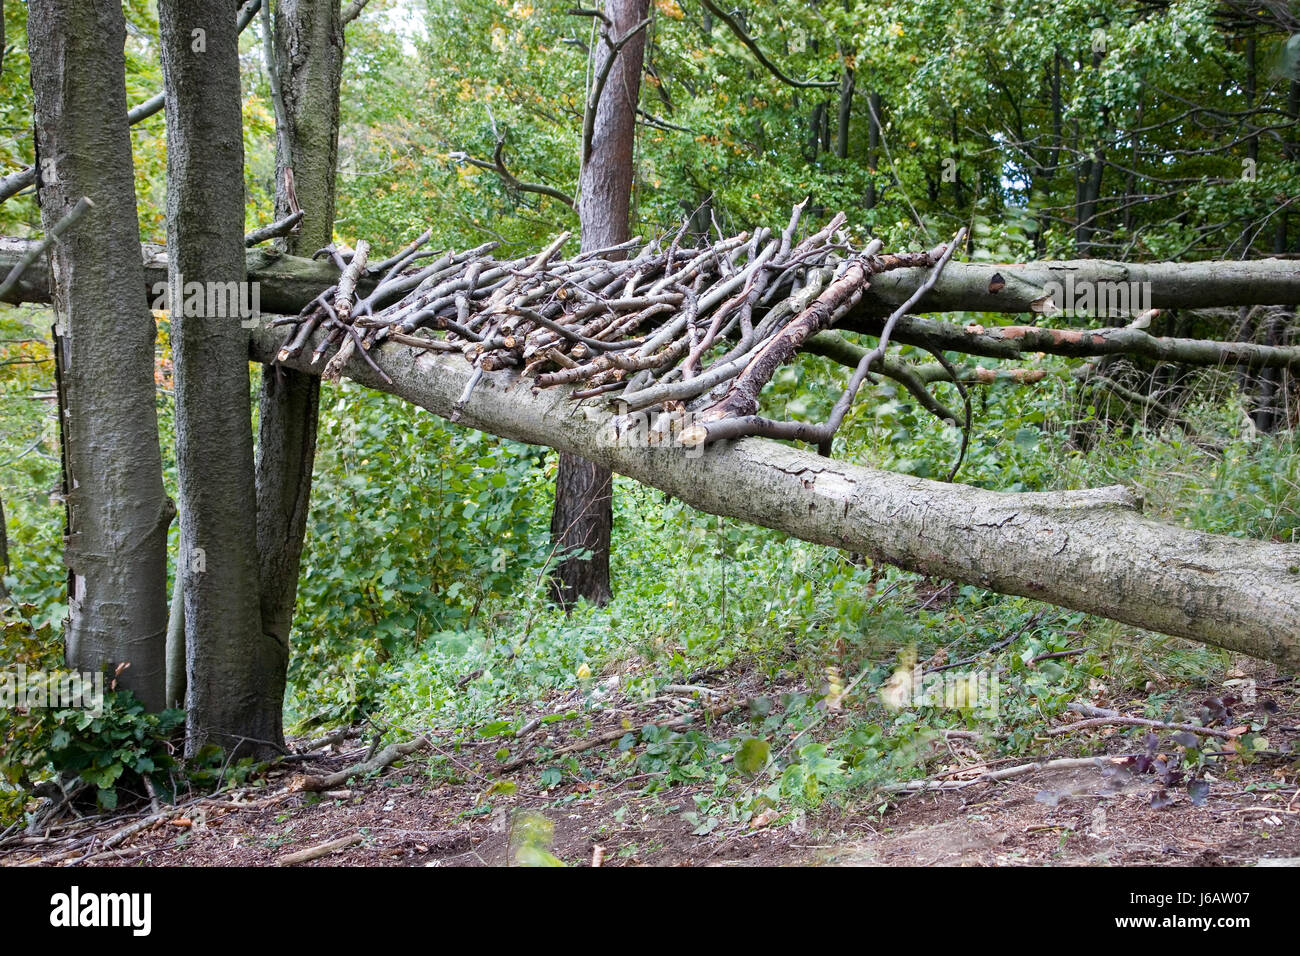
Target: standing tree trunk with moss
[(229, 699), (117, 511), (583, 518), (306, 65)]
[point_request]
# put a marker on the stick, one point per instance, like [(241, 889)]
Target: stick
[(316, 852), (274, 230), (381, 760), (1139, 722), (992, 776), (610, 736), (83, 206), (343, 308)]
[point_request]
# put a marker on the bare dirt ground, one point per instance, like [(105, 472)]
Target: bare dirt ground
[(1101, 813)]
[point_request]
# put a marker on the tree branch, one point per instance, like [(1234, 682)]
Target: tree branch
[(598, 86), (16, 182), (273, 230), (1088, 550), (772, 68), (83, 206), (352, 11), (498, 166)]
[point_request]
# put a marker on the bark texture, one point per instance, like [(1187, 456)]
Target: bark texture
[(117, 510), (1088, 550), (229, 699), (308, 61), (289, 282), (583, 518), (969, 286)]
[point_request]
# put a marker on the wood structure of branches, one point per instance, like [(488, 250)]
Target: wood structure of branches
[(648, 328)]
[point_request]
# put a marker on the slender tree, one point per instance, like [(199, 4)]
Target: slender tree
[(305, 64), (584, 515), (229, 700), (117, 512)]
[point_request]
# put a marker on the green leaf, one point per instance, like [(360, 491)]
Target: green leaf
[(503, 787), (752, 755)]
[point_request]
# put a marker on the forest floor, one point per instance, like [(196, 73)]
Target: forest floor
[(1100, 813)]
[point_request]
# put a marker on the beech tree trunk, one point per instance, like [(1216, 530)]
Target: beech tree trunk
[(1088, 550), (308, 62), (583, 518), (117, 512), (229, 700)]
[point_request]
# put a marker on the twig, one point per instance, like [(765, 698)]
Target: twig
[(772, 68), (680, 723), (992, 776), (379, 761), (598, 86), (274, 230), (352, 11), (69, 219), (1139, 722), (316, 852)]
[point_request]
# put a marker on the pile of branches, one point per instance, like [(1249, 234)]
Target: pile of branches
[(653, 328)]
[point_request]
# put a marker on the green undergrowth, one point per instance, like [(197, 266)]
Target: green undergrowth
[(788, 626), (423, 604)]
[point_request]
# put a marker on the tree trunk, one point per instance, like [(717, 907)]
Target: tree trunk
[(308, 63), (873, 147), (584, 505), (117, 511), (4, 540), (1087, 550), (288, 283), (845, 114), (229, 700)]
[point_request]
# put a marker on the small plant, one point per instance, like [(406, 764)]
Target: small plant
[(115, 748)]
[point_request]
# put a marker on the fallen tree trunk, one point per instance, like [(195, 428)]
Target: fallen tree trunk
[(287, 283), (1088, 550), (981, 287)]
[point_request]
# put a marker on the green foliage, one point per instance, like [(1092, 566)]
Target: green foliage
[(531, 836), (415, 530), (29, 465), (24, 734), (106, 748), (110, 750)]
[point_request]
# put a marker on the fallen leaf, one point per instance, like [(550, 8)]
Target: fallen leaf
[(763, 819)]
